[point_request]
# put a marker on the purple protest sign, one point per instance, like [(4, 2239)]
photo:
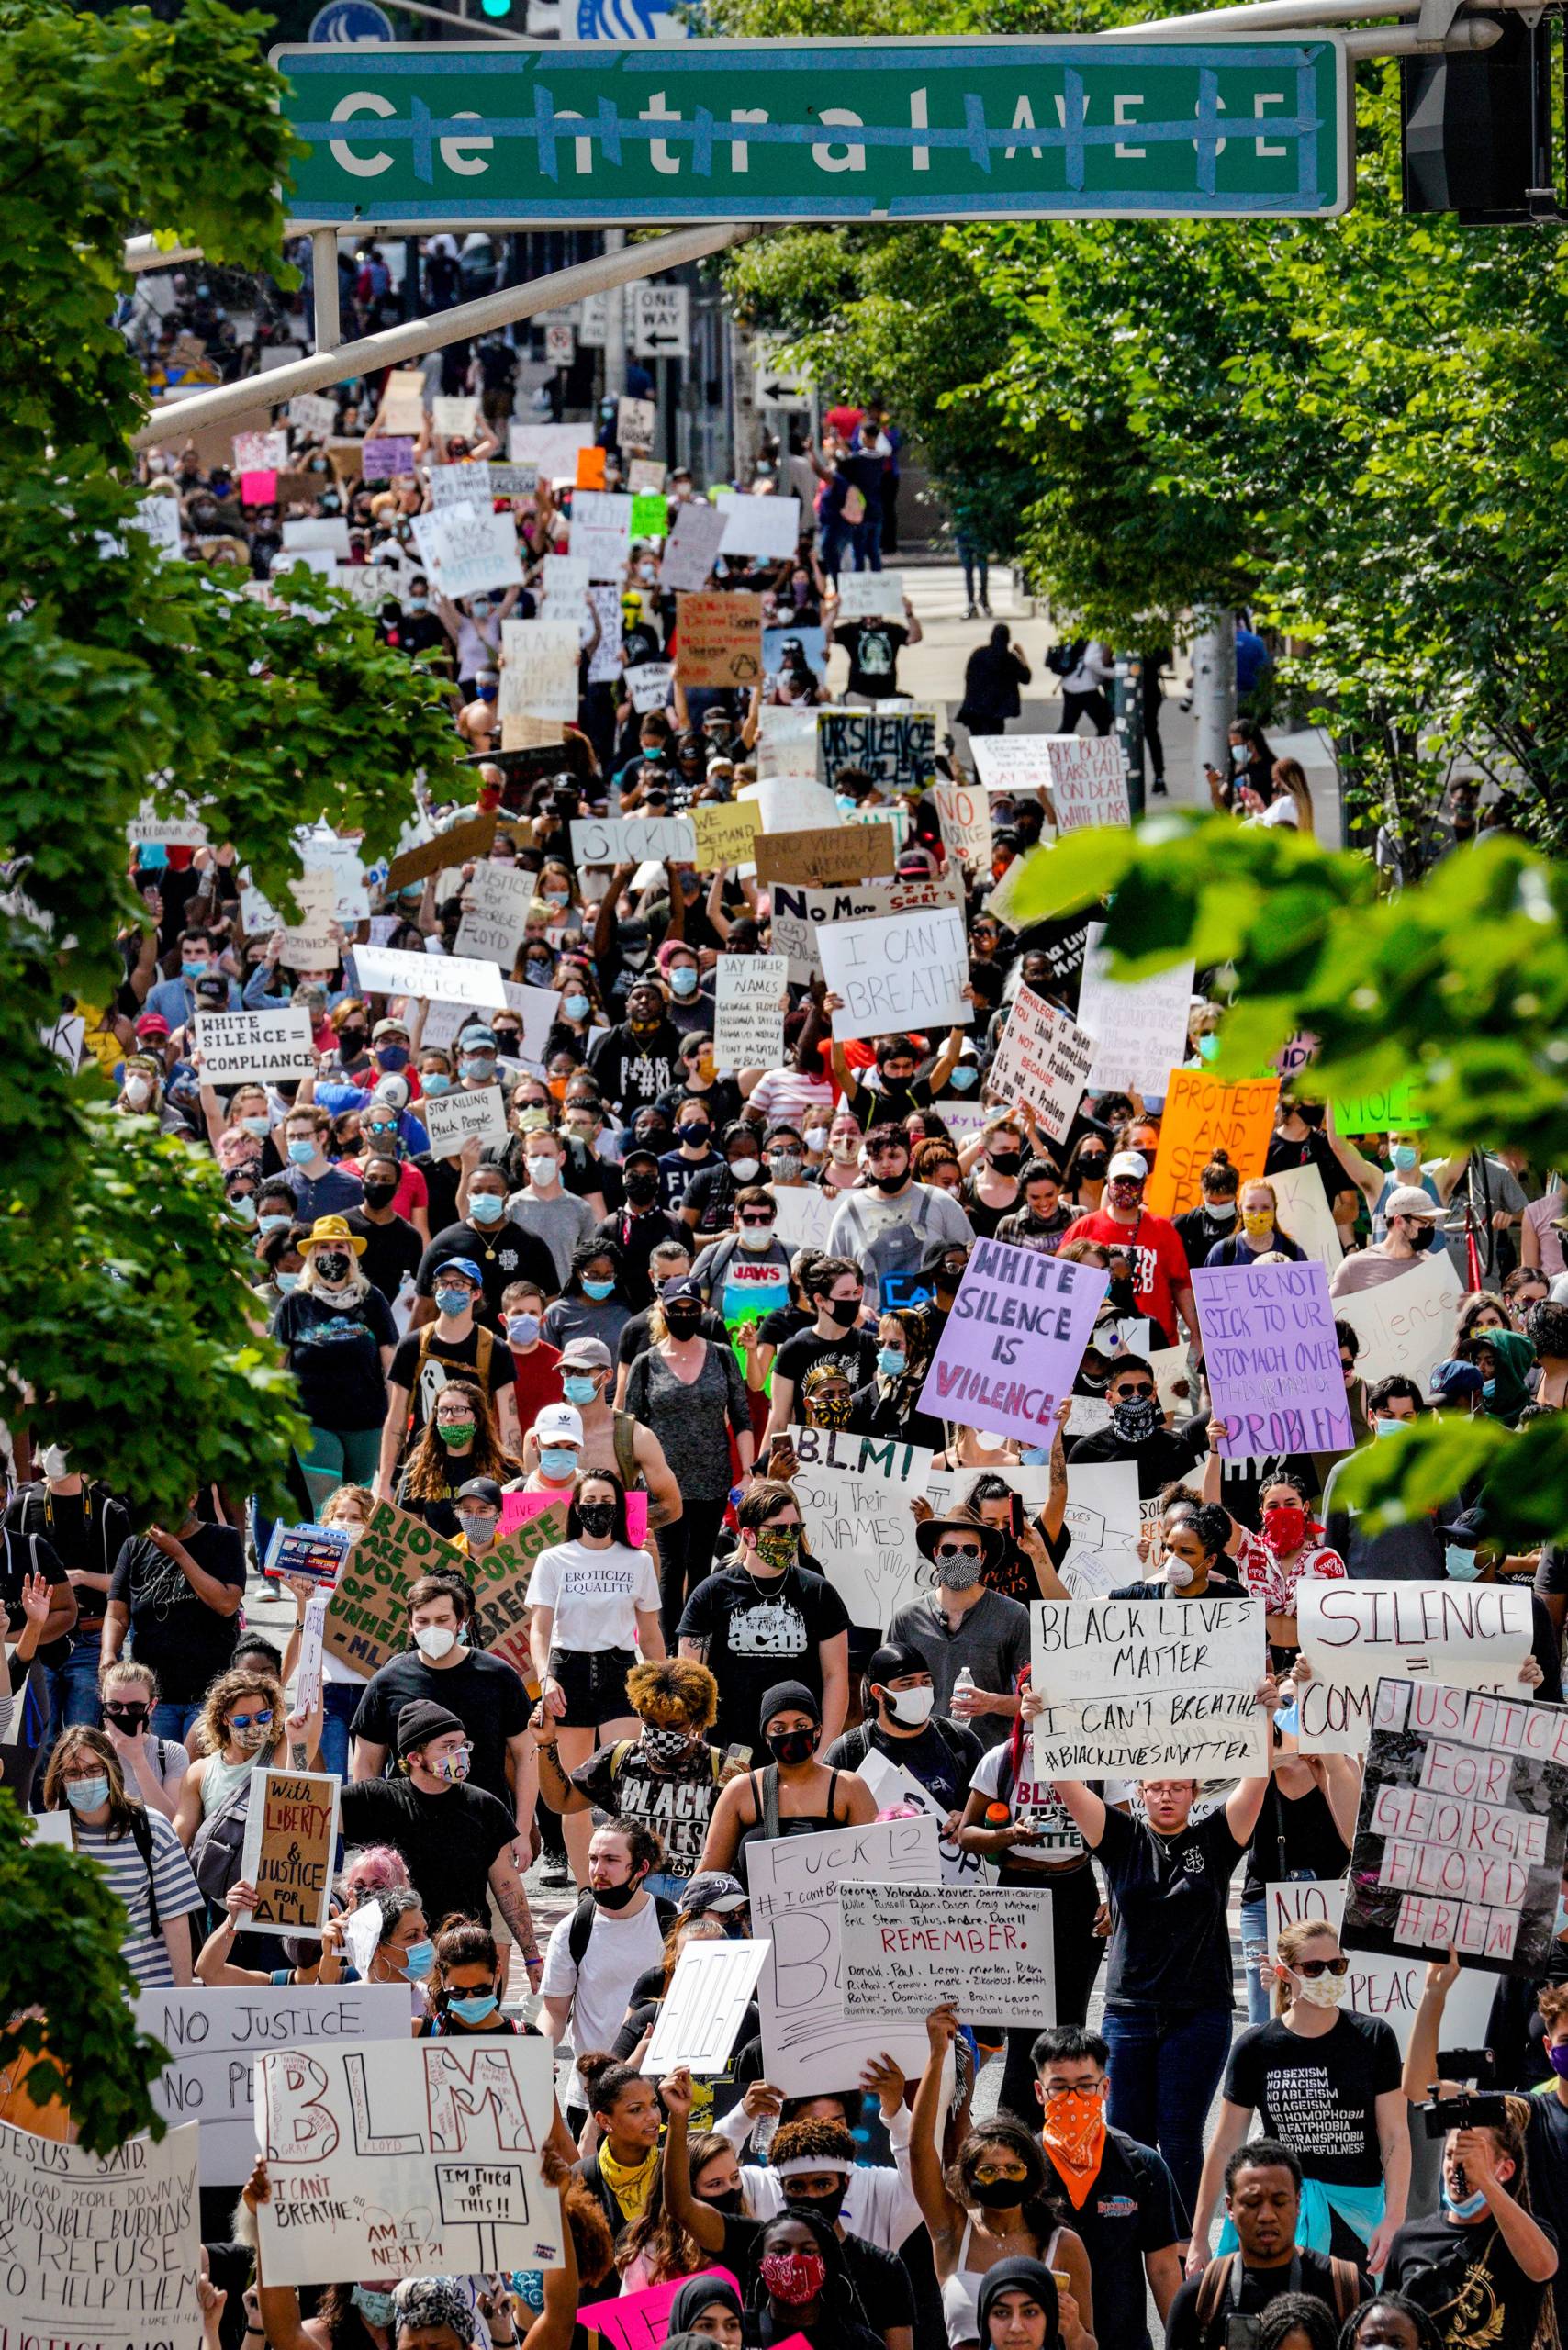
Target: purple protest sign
[(384, 460), (1014, 1341), (1272, 1359)]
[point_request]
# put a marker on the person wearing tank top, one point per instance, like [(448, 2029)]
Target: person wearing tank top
[(794, 1795)]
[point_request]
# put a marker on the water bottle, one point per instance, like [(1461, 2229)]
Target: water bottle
[(963, 1687)]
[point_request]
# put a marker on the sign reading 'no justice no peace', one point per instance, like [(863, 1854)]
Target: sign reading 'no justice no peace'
[(839, 130)]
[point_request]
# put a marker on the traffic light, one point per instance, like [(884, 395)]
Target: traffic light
[(1477, 128), (497, 7)]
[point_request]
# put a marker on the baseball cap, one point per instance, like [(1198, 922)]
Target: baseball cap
[(1408, 1199), (586, 1354), (679, 1285), (1131, 1163), (392, 1091), (480, 1489), (388, 1028), (1454, 1381), (464, 1265), (713, 1889), (152, 1024), (476, 1040), (559, 1424)]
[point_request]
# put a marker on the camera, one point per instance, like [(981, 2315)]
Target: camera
[(1471, 2110), (1240, 2333)]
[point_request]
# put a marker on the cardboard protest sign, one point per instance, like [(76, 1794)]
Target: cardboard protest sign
[(1089, 780), (896, 747), (291, 1835), (1136, 1685), (495, 916), (1302, 1209), (539, 668), (768, 527), (422, 2160), (453, 416), (897, 971), (908, 1948), (1460, 1838), (312, 1553), (1389, 1110), (367, 1615), (718, 639), (854, 1494), (1467, 1635), (727, 831), (692, 548), (808, 2042), (238, 1047), (450, 979), (1016, 763), (701, 2011), (1010, 1346), (213, 2036), (477, 551), (474, 837), (640, 2321), (1139, 1028), (1273, 1360), (1380, 1982), (749, 997), (499, 1576), (964, 817), (456, 1118), (309, 944), (1405, 1324), (645, 478), (1042, 1062), (101, 2251), (650, 685), (1201, 1116), (823, 860), (630, 840)]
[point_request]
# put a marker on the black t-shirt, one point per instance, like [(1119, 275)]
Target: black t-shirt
[(633, 1071), (83, 1530), (1308, 2272), (1216, 1587), (450, 1841), (486, 1694), (390, 1250), (755, 1636), (186, 1642), (873, 647), (1546, 2154), (22, 1555), (637, 1233), (1170, 1943), (877, 2278), (1319, 2095), (787, 1322), (1164, 1458), (1314, 1149), (504, 1253), (711, 1198), (1294, 1833), (1468, 2282), (1131, 2210), (678, 1805), (854, 1350), (943, 1759), (334, 1351), (448, 1358), (443, 1178)]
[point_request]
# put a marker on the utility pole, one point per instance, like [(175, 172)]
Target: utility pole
[(617, 319), (324, 275), (1213, 699), (1126, 700)]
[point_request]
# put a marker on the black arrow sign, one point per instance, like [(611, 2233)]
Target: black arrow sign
[(656, 337), (782, 394)]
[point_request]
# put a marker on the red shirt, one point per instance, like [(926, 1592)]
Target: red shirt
[(538, 1381), (1158, 1260)]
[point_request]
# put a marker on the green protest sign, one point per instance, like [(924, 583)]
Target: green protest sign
[(367, 1615), (1396, 1110), (650, 515)]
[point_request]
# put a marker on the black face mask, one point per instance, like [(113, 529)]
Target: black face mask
[(1000, 2194), (597, 1517), (732, 2203), (792, 1745), (845, 1311), (351, 1041), (1007, 1163), (682, 1323), (641, 1188), (613, 1896), (822, 2207), (379, 1195), (332, 1264), (893, 1182)]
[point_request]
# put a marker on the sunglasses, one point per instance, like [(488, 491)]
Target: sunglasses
[(128, 1717), (251, 1721), (1310, 1969), (1139, 1394), (1347, 1362), (957, 1551), (758, 1222)]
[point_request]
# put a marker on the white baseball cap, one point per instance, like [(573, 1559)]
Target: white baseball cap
[(1127, 1162), (559, 1424)]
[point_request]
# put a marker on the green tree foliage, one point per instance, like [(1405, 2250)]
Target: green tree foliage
[(123, 677)]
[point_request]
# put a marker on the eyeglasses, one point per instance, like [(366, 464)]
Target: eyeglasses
[(1310, 1969), (251, 1721), (957, 1551), (1089, 2092)]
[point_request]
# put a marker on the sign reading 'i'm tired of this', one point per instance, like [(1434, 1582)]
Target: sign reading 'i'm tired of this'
[(820, 130)]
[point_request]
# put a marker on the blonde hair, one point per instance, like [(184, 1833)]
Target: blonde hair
[(1292, 1941)]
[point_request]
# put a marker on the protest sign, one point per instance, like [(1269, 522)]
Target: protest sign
[(749, 997), (512, 481), (313, 413), (1201, 1116), (640, 2321), (786, 742), (261, 452), (158, 516), (550, 448), (330, 531), (1379, 1983), (1010, 1346), (539, 670), (1104, 1518), (964, 816), (238, 1047), (499, 1578), (258, 490), (793, 803), (808, 2042), (871, 595), (291, 1833), (1458, 1842), (311, 943), (726, 833), (313, 1552), (1139, 1028), (495, 914), (566, 585), (636, 421), (1089, 780), (650, 685), (854, 1494), (1042, 1062), (1388, 1109), (213, 2037), (799, 908), (453, 416), (1135, 1685), (1016, 763), (630, 840), (1015, 876), (601, 531), (645, 477), (386, 456), (151, 827), (421, 2160), (1405, 1324), (841, 852), (804, 1212), (100, 2251), (474, 837), (1302, 1209), (897, 748), (650, 515), (908, 1948), (897, 971), (1273, 1360), (367, 1615), (692, 548), (477, 551), (452, 978), (897, 1789), (453, 1119), (402, 406), (308, 1671), (718, 639), (1467, 1635), (323, 849), (701, 2011), (464, 485), (768, 527)]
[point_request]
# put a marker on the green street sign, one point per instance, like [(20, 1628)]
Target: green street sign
[(690, 131)]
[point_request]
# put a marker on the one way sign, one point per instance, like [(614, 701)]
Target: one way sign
[(661, 321), (776, 386)]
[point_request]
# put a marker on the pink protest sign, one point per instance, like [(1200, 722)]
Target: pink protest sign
[(258, 490), (1272, 1358), (1014, 1341), (516, 1509), (641, 2320)]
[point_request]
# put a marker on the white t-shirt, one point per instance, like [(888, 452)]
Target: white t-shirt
[(620, 1950), (1033, 1804), (595, 1595)]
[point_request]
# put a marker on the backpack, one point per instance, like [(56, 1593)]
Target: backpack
[(1216, 2286), (579, 1933), (1063, 659), (142, 1837), (480, 1373)]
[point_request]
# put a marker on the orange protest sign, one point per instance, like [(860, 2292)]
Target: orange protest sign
[(719, 640), (1202, 1116), (590, 469)]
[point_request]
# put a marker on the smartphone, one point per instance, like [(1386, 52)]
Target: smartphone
[(740, 1755)]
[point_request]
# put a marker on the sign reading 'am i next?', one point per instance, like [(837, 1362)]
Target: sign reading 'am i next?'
[(1251, 127)]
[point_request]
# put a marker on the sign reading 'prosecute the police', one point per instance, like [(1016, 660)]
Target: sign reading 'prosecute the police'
[(702, 130)]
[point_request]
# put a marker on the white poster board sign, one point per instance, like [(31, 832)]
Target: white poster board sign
[(537, 1009), (1103, 1518), (897, 971), (760, 526), (964, 815), (1042, 1062), (496, 914), (907, 1949), (629, 840), (476, 551), (1136, 1685), (896, 1788), (748, 1011), (1088, 780), (871, 595), (1405, 1324), (100, 2253), (1139, 1029), (453, 1119), (1301, 1209), (805, 1213), (449, 978), (1470, 1635), (854, 1494), (650, 684), (539, 668), (786, 744), (701, 2012), (243, 1047), (692, 548)]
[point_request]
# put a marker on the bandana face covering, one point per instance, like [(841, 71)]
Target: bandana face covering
[(1136, 1421), (776, 1546), (794, 2277), (1284, 1526), (1073, 2134)]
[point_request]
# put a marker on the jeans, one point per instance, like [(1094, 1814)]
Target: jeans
[(339, 1704), (975, 562), (1254, 1949), (171, 1718), (1164, 2071), (686, 1555), (866, 540), (69, 1693), (833, 539)]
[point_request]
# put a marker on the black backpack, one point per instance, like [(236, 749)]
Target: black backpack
[(1063, 659), (579, 1933)]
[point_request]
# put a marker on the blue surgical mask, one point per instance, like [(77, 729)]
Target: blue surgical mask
[(260, 1127), (683, 980), (847, 806), (1560, 1922), (421, 1959), (302, 1150), (522, 1330), (1033, 1456), (266, 1224), (193, 970), (1462, 1565), (963, 1077), (376, 2308), (576, 1007), (435, 1080), (558, 1461), (1405, 1155), (454, 1302), (579, 1391), (416, 603), (1488, 1388), (1208, 1049), (486, 1207), (478, 1064), (287, 1284), (243, 1209), (87, 1795), (474, 2010), (891, 1362), (1388, 1428), (599, 1290), (1470, 2208)]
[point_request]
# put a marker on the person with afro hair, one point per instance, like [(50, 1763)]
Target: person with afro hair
[(668, 1777)]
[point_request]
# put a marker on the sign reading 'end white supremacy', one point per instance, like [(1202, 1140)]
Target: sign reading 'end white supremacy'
[(1132, 1685), (931, 130)]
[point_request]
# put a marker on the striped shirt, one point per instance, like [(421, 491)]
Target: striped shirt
[(144, 1951), (784, 1095)]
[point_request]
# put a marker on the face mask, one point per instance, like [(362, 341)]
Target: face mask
[(666, 1746), (454, 1302), (376, 2308), (455, 1433), (1388, 1428), (958, 1572), (1321, 1990), (845, 1312), (477, 1529), (287, 1284), (478, 1065), (87, 1795), (54, 1460), (193, 970), (909, 1707), (1093, 1169), (998, 2194), (962, 1080), (612, 1896), (1136, 1421), (893, 1182), (480, 608), (486, 1207), (351, 1041), (683, 980), (1179, 1572), (421, 1959), (302, 1150), (745, 1170), (1284, 1525), (242, 1208), (681, 1321), (578, 1390), (273, 1224), (380, 1195), (474, 2010), (522, 1330), (260, 1127), (845, 1148), (137, 1090), (596, 1518), (558, 1461), (1488, 1389), (778, 1545), (1405, 1155), (1006, 1162), (641, 1188), (1220, 1211), (576, 1007), (633, 956), (824, 2207), (1257, 1227), (732, 2203), (435, 1080), (392, 1057), (695, 1136), (454, 1767), (891, 1362), (599, 1290), (794, 2277), (1073, 2131), (1239, 754), (1460, 1566), (791, 1745), (332, 1266), (1470, 2209), (758, 1237), (252, 1739)]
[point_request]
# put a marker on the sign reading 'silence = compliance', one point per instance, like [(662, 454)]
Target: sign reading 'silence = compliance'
[(838, 130)]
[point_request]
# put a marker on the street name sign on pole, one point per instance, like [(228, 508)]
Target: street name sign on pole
[(1257, 127)]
